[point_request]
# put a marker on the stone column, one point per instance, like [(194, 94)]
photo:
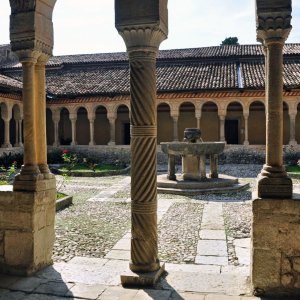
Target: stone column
[(214, 166), (175, 128), (40, 110), (273, 180), (73, 118), (246, 141), (6, 143), (293, 115), (30, 169), (142, 42), (198, 117), (56, 119), (202, 162), (20, 133), (222, 127), (17, 133), (92, 140), (171, 167), (112, 127)]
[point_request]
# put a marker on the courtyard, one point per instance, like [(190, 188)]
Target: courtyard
[(203, 239)]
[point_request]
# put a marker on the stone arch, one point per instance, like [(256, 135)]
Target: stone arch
[(187, 118), (49, 126), (209, 123), (164, 123), (286, 123), (3, 109), (234, 123), (122, 125), (64, 127), (257, 123), (297, 127), (102, 128), (82, 126)]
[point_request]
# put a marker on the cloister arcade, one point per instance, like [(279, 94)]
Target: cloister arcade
[(236, 121)]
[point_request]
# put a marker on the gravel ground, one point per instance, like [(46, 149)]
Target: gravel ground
[(178, 232), (92, 228), (89, 228)]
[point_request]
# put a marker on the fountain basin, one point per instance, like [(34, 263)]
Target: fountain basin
[(196, 149)]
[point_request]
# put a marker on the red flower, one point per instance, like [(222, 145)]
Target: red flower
[(65, 151)]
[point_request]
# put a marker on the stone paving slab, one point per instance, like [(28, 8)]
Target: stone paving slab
[(81, 290), (118, 254), (207, 234), (208, 283), (122, 244), (212, 248), (211, 260), (243, 255), (243, 243), (193, 268)]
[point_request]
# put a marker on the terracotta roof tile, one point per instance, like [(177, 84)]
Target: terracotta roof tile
[(198, 69)]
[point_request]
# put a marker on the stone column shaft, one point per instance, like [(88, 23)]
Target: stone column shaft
[(20, 133), (144, 241), (175, 128), (40, 108), (246, 141), (171, 167), (73, 119), (92, 141), (29, 111), (214, 166), (17, 133), (292, 129), (222, 128), (274, 105), (56, 140), (112, 130), (7, 143), (202, 167)]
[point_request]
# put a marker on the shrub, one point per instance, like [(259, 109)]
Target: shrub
[(242, 156), (7, 160), (290, 156)]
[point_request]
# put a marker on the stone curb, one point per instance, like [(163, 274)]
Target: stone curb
[(64, 202)]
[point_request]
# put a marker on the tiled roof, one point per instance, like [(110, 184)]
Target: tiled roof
[(198, 69), (10, 83)]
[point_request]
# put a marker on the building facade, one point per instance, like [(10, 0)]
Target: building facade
[(217, 89)]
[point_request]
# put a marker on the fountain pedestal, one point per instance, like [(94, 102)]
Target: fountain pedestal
[(193, 159), (193, 179)]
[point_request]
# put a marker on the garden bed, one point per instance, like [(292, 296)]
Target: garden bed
[(81, 170), (293, 171)]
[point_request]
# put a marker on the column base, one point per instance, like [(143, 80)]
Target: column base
[(246, 143), (6, 146), (111, 143), (293, 143), (142, 279), (44, 169), (30, 179), (273, 182), (276, 247), (27, 230)]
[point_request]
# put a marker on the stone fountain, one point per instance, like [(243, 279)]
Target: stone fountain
[(194, 179)]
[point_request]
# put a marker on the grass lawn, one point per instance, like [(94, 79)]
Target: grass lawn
[(60, 195), (98, 168), (293, 169)]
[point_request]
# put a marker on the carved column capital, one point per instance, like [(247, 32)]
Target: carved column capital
[(142, 38), (273, 26)]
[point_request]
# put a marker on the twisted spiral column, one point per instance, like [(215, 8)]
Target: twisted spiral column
[(144, 244)]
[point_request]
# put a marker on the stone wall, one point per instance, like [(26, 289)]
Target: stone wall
[(276, 246), (27, 230)]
